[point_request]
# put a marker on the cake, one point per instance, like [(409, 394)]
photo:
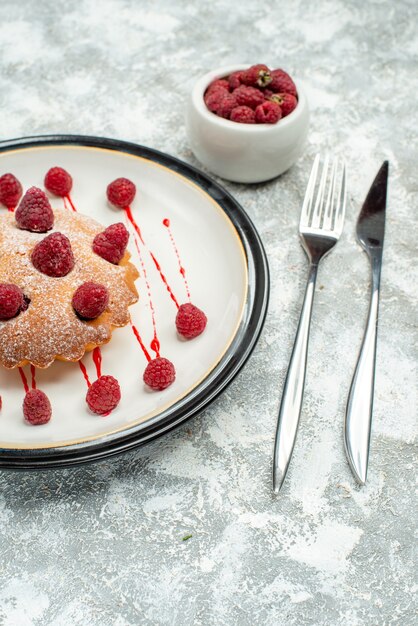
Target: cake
[(48, 327)]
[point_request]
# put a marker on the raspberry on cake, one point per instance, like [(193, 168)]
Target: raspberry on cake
[(53, 255), (34, 212), (90, 300), (111, 243), (12, 301), (10, 191), (46, 271)]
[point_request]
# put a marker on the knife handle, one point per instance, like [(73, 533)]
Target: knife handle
[(291, 403), (358, 417)]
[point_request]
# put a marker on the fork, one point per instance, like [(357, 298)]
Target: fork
[(320, 226)]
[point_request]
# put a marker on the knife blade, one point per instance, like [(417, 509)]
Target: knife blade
[(358, 418)]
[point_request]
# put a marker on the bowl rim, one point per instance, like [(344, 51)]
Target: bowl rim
[(202, 83)]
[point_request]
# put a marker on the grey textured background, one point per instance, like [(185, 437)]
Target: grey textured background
[(102, 545)]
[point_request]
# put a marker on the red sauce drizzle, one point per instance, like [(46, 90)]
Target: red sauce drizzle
[(133, 222), (24, 379), (33, 371), (163, 278), (155, 344), (68, 197), (84, 371), (141, 343), (97, 358), (68, 201), (166, 223), (157, 265)]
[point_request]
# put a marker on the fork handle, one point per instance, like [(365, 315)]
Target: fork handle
[(292, 397), (358, 416)]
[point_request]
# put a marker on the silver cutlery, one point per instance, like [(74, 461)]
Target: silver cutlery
[(321, 224), (358, 418)]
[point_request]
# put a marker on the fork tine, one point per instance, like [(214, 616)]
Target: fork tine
[(307, 202), (341, 203), (329, 206), (319, 204)]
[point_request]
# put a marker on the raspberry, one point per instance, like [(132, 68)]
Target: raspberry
[(37, 407), (234, 80), (282, 83), (226, 105), (10, 190), (53, 255), (159, 374), (121, 192), (268, 113), (58, 181), (111, 243), (256, 76), (12, 301), (267, 93), (248, 96), (103, 395), (221, 83), (190, 321), (90, 300), (286, 102), (214, 98), (34, 212), (243, 114)]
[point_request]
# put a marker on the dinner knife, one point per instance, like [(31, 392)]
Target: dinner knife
[(358, 417)]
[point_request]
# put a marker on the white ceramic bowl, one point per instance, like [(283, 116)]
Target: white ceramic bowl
[(244, 153)]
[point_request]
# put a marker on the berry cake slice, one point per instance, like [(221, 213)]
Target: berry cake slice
[(61, 292)]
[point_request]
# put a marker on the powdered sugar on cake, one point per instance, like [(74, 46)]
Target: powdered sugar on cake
[(50, 328)]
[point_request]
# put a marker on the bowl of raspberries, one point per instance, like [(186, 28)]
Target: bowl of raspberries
[(246, 123)]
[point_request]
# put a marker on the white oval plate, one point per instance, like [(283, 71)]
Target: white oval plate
[(221, 253)]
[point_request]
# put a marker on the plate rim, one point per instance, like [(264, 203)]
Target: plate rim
[(233, 359)]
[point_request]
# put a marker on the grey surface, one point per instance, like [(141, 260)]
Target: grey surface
[(102, 545)]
